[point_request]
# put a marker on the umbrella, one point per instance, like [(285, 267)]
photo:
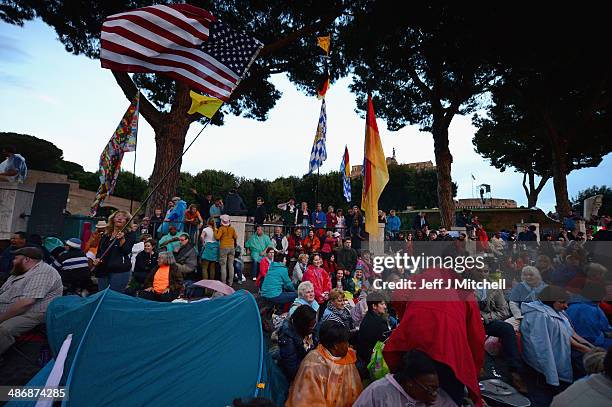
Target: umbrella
[(216, 285)]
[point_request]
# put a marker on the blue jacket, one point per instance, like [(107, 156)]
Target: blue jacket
[(545, 335), (319, 219), (291, 347), (276, 279), (393, 224), (589, 321)]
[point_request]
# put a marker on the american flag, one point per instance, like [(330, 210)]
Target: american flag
[(319, 152), (184, 42)]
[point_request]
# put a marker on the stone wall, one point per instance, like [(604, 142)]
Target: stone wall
[(15, 204)]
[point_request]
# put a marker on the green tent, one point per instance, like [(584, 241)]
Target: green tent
[(131, 352)]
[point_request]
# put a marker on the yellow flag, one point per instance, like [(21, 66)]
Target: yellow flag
[(205, 105), (323, 42)]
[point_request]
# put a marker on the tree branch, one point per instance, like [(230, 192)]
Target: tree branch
[(525, 185), (296, 35), (419, 83), (148, 111), (541, 184)]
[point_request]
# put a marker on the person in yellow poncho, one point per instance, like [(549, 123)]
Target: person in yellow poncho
[(327, 376)]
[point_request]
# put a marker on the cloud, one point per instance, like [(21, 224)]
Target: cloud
[(11, 52)]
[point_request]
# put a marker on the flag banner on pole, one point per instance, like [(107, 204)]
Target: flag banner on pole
[(319, 153), (345, 169), (375, 172), (182, 41), (122, 141), (205, 105), (322, 89), (324, 42)]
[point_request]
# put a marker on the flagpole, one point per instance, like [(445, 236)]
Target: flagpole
[(317, 189), (133, 176)]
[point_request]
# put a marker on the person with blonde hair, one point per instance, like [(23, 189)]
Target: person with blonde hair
[(299, 269), (306, 296), (113, 265), (337, 311)]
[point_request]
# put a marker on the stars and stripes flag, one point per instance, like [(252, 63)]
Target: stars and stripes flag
[(122, 141), (319, 153), (345, 169), (184, 42)]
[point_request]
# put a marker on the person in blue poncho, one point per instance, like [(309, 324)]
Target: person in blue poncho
[(175, 217), (527, 291), (588, 319)]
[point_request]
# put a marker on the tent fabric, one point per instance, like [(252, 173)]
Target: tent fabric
[(128, 351)]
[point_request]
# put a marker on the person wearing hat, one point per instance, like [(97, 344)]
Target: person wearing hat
[(74, 267), (25, 295), (227, 237)]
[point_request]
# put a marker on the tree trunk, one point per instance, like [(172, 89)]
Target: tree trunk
[(169, 145), (532, 192), (559, 169), (444, 160)]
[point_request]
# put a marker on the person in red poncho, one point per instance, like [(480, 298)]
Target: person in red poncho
[(445, 324), (319, 279)]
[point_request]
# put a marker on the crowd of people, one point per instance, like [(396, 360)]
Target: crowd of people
[(550, 327)]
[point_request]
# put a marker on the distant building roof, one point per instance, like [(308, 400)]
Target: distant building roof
[(357, 170)]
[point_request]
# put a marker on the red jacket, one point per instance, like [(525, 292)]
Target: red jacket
[(445, 324), (295, 246), (264, 265), (311, 245), (332, 220), (320, 280)]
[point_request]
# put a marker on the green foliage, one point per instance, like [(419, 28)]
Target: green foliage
[(606, 209), (39, 154)]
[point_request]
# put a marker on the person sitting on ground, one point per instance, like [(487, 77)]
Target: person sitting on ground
[(337, 311), (319, 278), (299, 269), (277, 287), (169, 242), (294, 248), (527, 291), (373, 328), (164, 284), (18, 240), (306, 296), (327, 375), (311, 243), (74, 267), (25, 295), (415, 383), (256, 246), (343, 280), (330, 266), (494, 311), (593, 391), (186, 256), (210, 251), (146, 262), (295, 339), (587, 318), (264, 265), (546, 336)]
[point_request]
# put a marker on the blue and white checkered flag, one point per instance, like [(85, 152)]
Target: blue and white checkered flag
[(319, 153), (345, 169)]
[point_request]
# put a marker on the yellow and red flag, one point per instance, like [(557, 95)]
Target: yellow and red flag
[(375, 173)]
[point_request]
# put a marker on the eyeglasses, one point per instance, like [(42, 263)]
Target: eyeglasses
[(426, 389)]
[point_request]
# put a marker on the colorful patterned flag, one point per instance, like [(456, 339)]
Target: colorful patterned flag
[(122, 141), (322, 89), (319, 153), (345, 169), (323, 42)]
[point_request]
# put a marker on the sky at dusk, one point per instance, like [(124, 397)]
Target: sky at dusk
[(74, 103)]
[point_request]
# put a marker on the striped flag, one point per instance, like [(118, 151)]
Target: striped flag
[(187, 43), (319, 153), (345, 169), (375, 172)]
